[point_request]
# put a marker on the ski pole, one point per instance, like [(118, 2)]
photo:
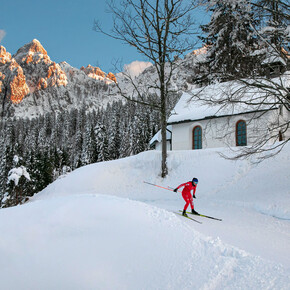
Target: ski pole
[(172, 188), (158, 186)]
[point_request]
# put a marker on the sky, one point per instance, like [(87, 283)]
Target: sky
[(65, 29)]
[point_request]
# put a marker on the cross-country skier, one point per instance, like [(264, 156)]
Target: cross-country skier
[(188, 186)]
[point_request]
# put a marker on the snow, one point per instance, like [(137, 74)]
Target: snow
[(273, 56), (158, 138), (16, 159), (210, 101), (101, 227), (187, 109), (16, 173), (287, 31)]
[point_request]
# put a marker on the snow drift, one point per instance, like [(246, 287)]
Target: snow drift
[(101, 227)]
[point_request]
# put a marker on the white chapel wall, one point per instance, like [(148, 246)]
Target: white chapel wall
[(221, 132)]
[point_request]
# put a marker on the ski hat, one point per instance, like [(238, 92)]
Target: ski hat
[(194, 180)]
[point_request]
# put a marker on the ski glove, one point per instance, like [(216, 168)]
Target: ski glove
[(175, 190), (193, 196)]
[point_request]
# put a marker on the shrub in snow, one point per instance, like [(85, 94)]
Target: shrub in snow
[(15, 185), (15, 174)]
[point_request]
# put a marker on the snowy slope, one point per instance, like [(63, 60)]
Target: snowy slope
[(101, 227)]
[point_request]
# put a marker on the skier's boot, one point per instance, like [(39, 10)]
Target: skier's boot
[(184, 213), (194, 212)]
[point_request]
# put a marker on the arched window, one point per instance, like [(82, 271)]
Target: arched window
[(241, 133), (197, 138)]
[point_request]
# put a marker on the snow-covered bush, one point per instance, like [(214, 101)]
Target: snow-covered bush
[(17, 177)]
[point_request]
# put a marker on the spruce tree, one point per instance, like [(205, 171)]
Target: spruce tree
[(102, 143), (16, 190), (230, 39), (275, 21)]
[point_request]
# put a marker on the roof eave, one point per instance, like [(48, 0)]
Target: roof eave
[(216, 117)]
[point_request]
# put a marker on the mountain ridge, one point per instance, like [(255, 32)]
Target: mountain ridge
[(31, 84), (46, 86)]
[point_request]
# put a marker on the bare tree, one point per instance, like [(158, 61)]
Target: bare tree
[(267, 90), (266, 102), (162, 31)]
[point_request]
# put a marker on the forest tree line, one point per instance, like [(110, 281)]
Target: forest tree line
[(53, 145)]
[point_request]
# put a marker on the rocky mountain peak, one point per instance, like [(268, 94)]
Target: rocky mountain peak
[(4, 56), (31, 84), (2, 77), (56, 76), (93, 72), (17, 87), (32, 52), (111, 77), (97, 74)]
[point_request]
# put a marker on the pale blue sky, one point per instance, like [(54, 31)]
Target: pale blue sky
[(65, 29)]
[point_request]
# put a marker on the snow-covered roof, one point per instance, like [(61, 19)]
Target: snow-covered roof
[(274, 59), (157, 137), (208, 102), (273, 56)]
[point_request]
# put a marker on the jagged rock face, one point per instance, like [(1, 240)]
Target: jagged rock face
[(93, 72), (111, 77), (41, 72), (18, 87), (56, 76), (4, 56), (32, 84), (97, 74), (32, 52), (2, 77), (13, 86)]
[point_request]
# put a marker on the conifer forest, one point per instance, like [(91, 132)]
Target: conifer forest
[(51, 146)]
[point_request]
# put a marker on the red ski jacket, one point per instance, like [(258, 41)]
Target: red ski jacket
[(188, 186)]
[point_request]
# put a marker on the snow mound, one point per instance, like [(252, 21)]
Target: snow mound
[(102, 227), (264, 187), (93, 241)]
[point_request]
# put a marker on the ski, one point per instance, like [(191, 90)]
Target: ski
[(188, 217), (206, 216)]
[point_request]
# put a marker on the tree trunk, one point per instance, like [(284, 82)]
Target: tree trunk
[(164, 170)]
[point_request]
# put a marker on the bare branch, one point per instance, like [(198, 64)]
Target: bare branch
[(159, 31)]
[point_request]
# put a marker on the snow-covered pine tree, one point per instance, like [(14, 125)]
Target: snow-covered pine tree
[(114, 131), (140, 133), (77, 139), (16, 191), (274, 35), (8, 141), (127, 127), (86, 146), (43, 169), (92, 150), (275, 20), (230, 38), (2, 162), (102, 142)]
